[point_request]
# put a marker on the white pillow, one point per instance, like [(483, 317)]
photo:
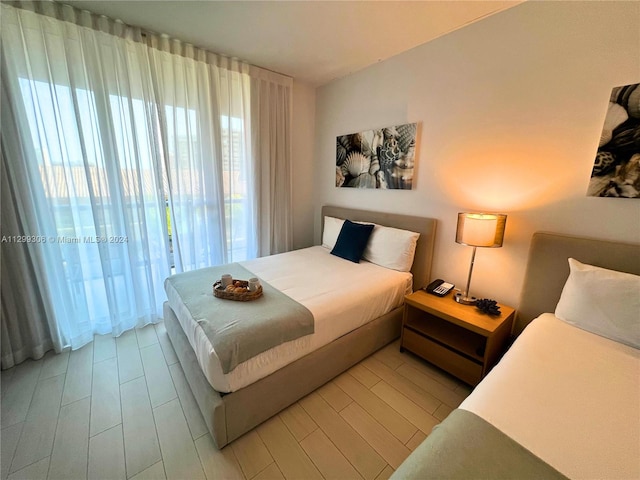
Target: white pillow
[(391, 248), (601, 301), (332, 227)]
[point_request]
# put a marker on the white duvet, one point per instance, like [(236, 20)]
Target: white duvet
[(570, 397), (340, 294)]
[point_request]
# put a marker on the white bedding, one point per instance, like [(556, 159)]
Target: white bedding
[(570, 397), (341, 295)]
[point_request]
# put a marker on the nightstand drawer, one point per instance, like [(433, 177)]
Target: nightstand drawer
[(463, 368)]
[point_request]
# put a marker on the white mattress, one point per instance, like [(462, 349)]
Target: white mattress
[(570, 397), (340, 294)]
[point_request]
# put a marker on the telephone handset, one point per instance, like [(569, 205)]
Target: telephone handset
[(439, 287)]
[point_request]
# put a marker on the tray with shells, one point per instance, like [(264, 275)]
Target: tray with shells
[(238, 290)]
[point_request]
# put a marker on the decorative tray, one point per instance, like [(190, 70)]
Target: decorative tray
[(239, 291)]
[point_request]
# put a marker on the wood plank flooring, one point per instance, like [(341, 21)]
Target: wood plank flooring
[(122, 409)]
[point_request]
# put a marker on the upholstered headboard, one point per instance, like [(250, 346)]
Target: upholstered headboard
[(548, 269), (426, 227)]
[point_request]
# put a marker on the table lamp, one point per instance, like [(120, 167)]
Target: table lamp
[(478, 230)]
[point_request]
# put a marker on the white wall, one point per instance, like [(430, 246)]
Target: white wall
[(302, 141), (511, 110)]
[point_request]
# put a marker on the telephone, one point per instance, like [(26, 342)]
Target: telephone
[(439, 287)]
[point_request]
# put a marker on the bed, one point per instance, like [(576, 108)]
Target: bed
[(563, 402), (233, 401)]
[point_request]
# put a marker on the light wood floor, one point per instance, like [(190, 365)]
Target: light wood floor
[(121, 408)]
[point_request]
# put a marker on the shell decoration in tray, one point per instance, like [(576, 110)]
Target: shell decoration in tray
[(238, 290)]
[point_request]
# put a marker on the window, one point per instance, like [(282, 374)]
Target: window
[(234, 174), (71, 161)]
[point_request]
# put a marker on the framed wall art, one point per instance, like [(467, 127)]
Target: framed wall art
[(616, 169), (382, 158)]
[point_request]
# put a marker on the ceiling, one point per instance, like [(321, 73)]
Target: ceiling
[(312, 41)]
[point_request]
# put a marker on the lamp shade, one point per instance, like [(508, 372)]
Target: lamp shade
[(481, 229)]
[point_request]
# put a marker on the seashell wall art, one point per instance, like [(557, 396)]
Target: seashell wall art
[(382, 158), (616, 169)]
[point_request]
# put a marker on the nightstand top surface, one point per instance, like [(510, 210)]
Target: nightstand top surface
[(467, 316)]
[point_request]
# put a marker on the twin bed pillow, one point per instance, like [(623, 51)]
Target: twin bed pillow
[(392, 248), (601, 301), (332, 227), (387, 247)]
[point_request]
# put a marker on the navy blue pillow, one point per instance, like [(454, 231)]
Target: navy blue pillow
[(352, 240)]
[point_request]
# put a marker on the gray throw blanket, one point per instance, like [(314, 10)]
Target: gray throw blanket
[(239, 331), (466, 447)]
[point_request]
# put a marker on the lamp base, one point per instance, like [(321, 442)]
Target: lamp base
[(464, 300)]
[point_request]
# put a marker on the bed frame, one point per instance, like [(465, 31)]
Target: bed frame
[(228, 416)]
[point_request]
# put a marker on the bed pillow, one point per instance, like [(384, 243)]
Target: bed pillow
[(352, 241), (391, 248), (601, 301), (331, 231)]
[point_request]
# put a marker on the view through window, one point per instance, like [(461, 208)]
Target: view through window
[(74, 167)]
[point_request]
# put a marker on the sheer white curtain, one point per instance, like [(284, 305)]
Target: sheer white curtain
[(28, 329), (205, 122), (130, 152), (84, 162)]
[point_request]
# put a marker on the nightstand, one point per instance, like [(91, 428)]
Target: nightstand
[(457, 338)]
